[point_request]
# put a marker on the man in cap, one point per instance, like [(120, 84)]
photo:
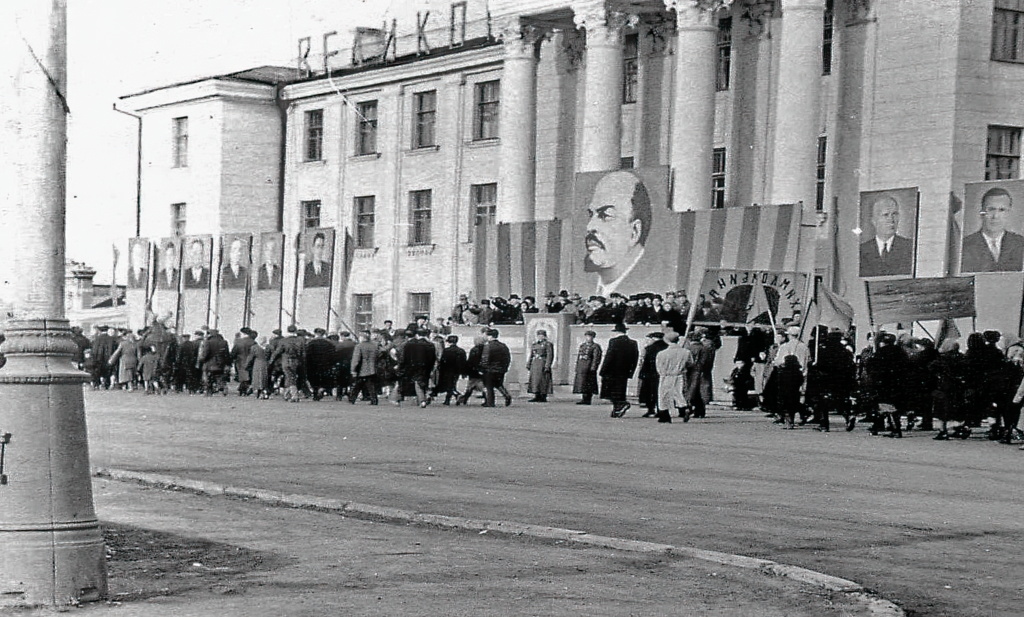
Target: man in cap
[(240, 353), (648, 375), (588, 361), (320, 357), (417, 362), (618, 367), (539, 364), (214, 358), (364, 369), (495, 359), (344, 348), (102, 348), (289, 352)]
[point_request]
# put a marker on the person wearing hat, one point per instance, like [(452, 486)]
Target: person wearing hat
[(617, 369), (588, 361), (344, 348), (450, 367), (417, 362), (214, 359), (290, 354), (102, 348), (672, 365), (539, 364), (494, 362), (460, 308), (274, 369), (553, 303), (258, 367), (793, 346), (240, 352), (647, 394), (320, 356)]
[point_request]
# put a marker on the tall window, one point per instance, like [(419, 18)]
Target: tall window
[(179, 156), (314, 134), (363, 311), (311, 213), (1008, 30), (819, 197), (366, 139), (419, 306), (723, 63), (178, 219), (365, 220), (419, 217), (630, 67), (826, 38), (718, 178), (488, 97), (484, 198), (425, 111), (1002, 161)]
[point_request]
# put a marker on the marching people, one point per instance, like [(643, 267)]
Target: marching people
[(831, 379), (289, 353), (617, 369), (364, 369), (240, 353), (450, 368), (695, 373), (417, 362), (320, 359), (103, 346), (344, 349), (149, 367), (257, 366), (126, 360), (886, 369), (791, 380), (588, 361), (672, 364), (539, 364), (647, 393), (473, 370), (495, 360), (214, 359)]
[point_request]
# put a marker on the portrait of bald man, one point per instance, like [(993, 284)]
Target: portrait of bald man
[(618, 223), (993, 248), (887, 252)]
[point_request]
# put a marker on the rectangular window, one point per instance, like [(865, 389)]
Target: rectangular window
[(723, 61), (366, 139), (419, 306), (179, 156), (484, 198), (626, 162), (826, 38), (363, 311), (425, 114), (419, 217), (488, 96), (178, 219), (718, 178), (314, 134), (1002, 159), (365, 220), (311, 214), (630, 67), (819, 197), (1008, 30)]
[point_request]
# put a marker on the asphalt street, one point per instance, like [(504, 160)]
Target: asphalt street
[(934, 526)]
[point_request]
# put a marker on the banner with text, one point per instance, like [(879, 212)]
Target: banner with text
[(741, 297), (907, 300)]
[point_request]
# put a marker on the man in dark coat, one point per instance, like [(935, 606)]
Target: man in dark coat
[(364, 369), (588, 361), (214, 357), (102, 348), (495, 359), (290, 352), (539, 364), (240, 353), (344, 348), (993, 248), (186, 375), (418, 359), (320, 356), (695, 375), (618, 367), (472, 370), (648, 375), (451, 366), (274, 368)]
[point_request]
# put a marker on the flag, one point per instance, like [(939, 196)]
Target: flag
[(828, 309), (758, 304), (956, 219), (947, 332), (520, 258)]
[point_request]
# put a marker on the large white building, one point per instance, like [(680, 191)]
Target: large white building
[(403, 140)]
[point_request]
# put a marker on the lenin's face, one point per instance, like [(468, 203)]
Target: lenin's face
[(994, 212), (611, 229), (886, 218)]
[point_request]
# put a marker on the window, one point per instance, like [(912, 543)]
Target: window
[(365, 219), (1008, 30), (419, 306), (630, 67), (419, 215), (363, 311), (178, 219), (488, 95), (425, 111), (484, 198), (626, 162), (826, 38), (179, 157), (311, 214), (366, 140), (819, 197), (314, 134), (718, 178), (1002, 161), (723, 61)]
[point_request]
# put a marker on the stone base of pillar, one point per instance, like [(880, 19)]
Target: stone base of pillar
[(51, 545)]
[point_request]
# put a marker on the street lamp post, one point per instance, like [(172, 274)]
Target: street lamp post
[(51, 545)]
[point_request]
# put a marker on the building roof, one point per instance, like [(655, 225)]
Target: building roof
[(269, 75)]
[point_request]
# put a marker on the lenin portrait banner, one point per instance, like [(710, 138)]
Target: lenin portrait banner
[(235, 265), (742, 297), (137, 292), (622, 237), (888, 241), (166, 281), (315, 273), (196, 276), (993, 224), (265, 298)]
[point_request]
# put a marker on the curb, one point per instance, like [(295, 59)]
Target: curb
[(875, 606)]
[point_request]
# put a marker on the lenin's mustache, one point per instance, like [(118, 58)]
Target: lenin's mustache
[(592, 238)]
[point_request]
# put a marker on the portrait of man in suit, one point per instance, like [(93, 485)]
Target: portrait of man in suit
[(167, 275), (994, 247), (138, 264), (886, 252), (269, 275), (197, 274), (235, 272), (318, 262), (618, 224)]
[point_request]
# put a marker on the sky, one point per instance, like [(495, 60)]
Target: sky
[(119, 47)]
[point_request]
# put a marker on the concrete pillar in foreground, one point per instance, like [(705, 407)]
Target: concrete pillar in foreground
[(601, 138), (693, 112), (795, 152), (51, 547), (517, 194)]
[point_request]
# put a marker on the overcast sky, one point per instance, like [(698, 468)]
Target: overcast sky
[(118, 47)]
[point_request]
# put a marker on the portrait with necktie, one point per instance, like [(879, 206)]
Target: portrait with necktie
[(994, 247), (889, 221)]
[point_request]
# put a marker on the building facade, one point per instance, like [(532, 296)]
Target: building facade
[(406, 143)]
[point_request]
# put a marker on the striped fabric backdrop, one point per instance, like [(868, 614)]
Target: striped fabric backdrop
[(519, 258), (749, 238)]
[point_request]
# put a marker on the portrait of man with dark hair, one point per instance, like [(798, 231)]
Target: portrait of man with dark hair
[(168, 261), (318, 261), (197, 274), (235, 271), (269, 276), (138, 263), (993, 248), (618, 224)]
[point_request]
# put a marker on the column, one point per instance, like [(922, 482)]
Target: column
[(795, 152), (517, 178), (51, 547), (601, 137), (693, 113)]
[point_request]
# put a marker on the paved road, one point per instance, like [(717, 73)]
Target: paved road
[(934, 526)]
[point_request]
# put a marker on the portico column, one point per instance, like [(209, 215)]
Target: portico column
[(601, 139), (517, 176), (794, 156), (693, 114)]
